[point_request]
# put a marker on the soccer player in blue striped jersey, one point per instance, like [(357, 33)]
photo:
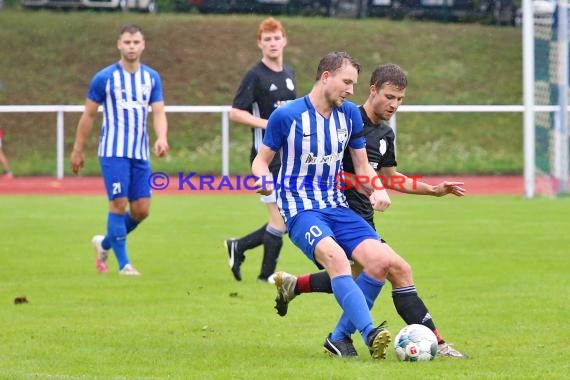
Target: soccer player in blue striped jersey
[(388, 84), (312, 133), (126, 89)]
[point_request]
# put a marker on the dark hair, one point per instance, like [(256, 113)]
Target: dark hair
[(389, 73), (131, 29), (334, 61)]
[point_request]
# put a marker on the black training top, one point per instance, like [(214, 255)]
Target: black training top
[(381, 153), (261, 91)]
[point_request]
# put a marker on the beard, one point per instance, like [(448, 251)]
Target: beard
[(335, 101), (133, 57)]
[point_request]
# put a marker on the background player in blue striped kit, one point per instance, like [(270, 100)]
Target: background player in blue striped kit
[(312, 134), (125, 89)]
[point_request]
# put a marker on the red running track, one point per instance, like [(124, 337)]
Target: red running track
[(475, 185)]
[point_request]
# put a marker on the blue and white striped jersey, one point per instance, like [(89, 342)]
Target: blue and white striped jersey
[(125, 98), (311, 149)]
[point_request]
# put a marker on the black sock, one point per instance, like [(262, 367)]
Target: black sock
[(411, 308), (252, 240), (271, 248), (320, 282)]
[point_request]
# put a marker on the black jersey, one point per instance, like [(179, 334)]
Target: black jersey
[(261, 91), (380, 152)]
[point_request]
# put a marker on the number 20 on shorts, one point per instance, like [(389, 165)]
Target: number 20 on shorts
[(314, 232)]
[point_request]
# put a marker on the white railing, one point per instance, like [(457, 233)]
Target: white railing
[(528, 129), (224, 111), (60, 110)]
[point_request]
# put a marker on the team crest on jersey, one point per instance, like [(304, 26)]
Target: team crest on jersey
[(289, 83), (342, 134), (382, 147), (146, 90)]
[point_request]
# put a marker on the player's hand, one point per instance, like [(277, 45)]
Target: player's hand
[(263, 187), (447, 187), (380, 200), (161, 148), (76, 161)]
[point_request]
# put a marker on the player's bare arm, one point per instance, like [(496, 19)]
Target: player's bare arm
[(400, 182), (247, 119), (378, 197), (160, 128), (260, 169), (83, 130)]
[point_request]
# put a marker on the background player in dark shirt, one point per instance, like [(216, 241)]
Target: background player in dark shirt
[(387, 91), (264, 87)]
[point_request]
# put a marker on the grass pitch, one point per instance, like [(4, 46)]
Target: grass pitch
[(493, 272)]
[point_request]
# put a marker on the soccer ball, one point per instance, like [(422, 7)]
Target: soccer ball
[(415, 343)]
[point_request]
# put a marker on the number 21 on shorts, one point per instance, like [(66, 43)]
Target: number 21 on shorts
[(116, 188)]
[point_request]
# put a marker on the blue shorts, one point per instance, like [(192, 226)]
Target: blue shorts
[(345, 226), (125, 177)]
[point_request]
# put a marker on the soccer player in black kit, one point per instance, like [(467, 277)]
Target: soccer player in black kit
[(387, 91), (266, 86)]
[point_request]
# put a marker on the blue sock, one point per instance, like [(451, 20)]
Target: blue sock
[(371, 289), (130, 223), (353, 303), (117, 233)]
